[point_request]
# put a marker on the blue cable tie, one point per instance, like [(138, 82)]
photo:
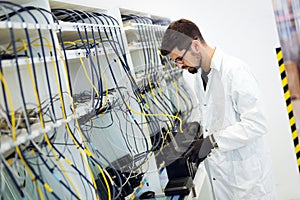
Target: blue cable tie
[(54, 174), (137, 190), (93, 146), (132, 117)]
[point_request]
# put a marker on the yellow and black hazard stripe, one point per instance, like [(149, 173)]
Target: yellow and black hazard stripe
[(289, 106)]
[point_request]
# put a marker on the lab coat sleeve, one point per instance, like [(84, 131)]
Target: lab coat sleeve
[(249, 122)]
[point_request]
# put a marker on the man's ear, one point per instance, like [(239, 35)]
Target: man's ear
[(196, 44)]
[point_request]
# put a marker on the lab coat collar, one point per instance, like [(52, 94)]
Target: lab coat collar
[(216, 61)]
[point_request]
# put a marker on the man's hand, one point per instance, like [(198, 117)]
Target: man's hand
[(200, 149), (194, 151)]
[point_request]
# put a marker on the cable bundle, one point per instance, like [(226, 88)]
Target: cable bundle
[(76, 120)]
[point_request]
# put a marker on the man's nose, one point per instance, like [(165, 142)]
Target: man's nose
[(179, 65), (182, 66)]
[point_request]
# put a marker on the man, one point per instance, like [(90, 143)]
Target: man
[(234, 147)]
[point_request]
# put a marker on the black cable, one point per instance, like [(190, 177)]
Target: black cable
[(42, 48), (77, 170), (117, 86), (15, 182), (80, 14), (141, 33), (4, 93), (63, 49), (54, 174), (72, 14), (29, 47), (145, 43), (120, 40), (88, 52), (37, 177), (18, 68), (55, 52), (44, 55), (29, 165), (99, 83), (129, 17), (57, 66)]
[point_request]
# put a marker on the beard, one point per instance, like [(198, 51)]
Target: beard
[(193, 70)]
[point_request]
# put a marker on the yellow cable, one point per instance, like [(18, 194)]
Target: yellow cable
[(177, 91), (175, 83), (164, 139), (91, 40), (87, 76), (67, 126), (88, 153), (154, 96), (150, 84), (86, 150), (43, 123), (69, 42), (106, 86), (64, 115), (34, 86), (157, 114), (18, 49), (160, 91), (14, 136), (46, 136)]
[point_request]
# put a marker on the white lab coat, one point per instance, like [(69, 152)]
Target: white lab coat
[(230, 108)]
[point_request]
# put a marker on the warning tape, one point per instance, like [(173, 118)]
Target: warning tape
[(289, 106)]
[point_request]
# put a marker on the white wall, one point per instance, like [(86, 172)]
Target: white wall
[(247, 30)]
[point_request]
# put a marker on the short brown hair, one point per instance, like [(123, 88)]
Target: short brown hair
[(178, 34)]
